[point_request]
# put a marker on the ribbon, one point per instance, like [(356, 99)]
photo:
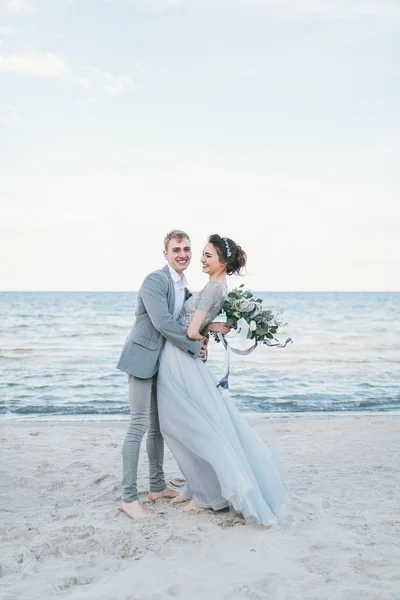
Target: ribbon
[(240, 334)]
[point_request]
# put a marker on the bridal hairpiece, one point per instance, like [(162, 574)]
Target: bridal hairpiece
[(228, 250)]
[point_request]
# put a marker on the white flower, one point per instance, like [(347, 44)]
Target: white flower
[(257, 309), (253, 325), (244, 306)]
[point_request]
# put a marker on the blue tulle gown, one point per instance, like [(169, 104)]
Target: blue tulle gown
[(223, 459)]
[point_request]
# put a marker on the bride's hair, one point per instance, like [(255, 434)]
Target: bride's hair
[(229, 253)]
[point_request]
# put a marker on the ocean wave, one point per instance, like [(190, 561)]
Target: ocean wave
[(58, 353), (68, 410), (286, 406)]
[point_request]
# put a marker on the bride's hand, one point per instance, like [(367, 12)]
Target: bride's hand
[(218, 327)]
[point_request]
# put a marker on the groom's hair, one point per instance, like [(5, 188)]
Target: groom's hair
[(175, 234)]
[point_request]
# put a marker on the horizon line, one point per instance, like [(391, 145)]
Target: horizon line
[(360, 291)]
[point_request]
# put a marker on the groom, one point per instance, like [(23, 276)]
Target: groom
[(159, 303)]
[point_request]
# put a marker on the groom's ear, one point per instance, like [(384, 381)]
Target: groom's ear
[(165, 254)]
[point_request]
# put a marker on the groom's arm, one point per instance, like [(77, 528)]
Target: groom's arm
[(154, 295)]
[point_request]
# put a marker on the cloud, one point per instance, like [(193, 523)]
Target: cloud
[(49, 65), (11, 118), (83, 82), (43, 65), (19, 7), (92, 78), (116, 84)]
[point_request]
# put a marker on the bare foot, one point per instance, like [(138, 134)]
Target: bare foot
[(167, 493), (192, 506), (178, 500), (135, 510)]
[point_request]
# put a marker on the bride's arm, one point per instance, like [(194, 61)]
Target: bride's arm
[(209, 303), (198, 318), (193, 331)]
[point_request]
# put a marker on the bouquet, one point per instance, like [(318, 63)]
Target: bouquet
[(246, 314), (262, 324)]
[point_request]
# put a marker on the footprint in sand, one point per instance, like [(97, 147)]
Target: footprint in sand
[(79, 531), (381, 570), (102, 478), (68, 582), (357, 594), (174, 590)]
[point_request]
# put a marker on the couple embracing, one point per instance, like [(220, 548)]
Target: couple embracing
[(174, 396)]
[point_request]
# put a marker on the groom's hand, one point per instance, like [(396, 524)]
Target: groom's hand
[(204, 344)]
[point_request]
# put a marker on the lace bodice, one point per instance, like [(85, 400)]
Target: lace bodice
[(210, 299)]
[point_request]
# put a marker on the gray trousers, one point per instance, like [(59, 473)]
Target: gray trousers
[(144, 417)]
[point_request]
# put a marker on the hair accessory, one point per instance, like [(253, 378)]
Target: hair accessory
[(228, 250)]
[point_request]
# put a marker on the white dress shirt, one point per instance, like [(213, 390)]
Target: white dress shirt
[(179, 284)]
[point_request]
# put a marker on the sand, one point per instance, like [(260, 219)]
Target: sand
[(63, 536)]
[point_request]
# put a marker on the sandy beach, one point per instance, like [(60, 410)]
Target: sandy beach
[(63, 536)]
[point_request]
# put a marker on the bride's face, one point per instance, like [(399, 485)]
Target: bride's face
[(211, 262)]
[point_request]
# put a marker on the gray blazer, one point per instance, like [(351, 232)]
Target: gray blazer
[(153, 325)]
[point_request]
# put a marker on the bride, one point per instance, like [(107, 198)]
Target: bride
[(224, 461)]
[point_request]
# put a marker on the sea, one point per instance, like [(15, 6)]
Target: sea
[(58, 355)]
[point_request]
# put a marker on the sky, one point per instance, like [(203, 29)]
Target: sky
[(273, 122)]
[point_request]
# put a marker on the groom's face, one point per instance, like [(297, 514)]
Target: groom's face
[(178, 254)]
